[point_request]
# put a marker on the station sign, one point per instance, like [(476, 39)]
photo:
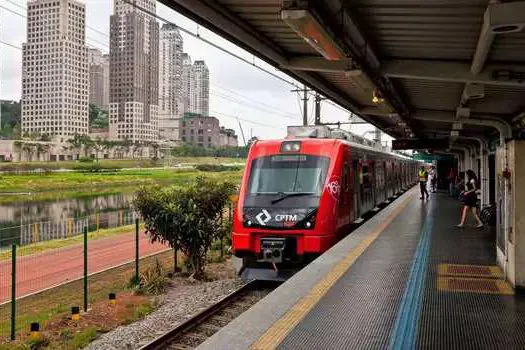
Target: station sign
[(401, 144)]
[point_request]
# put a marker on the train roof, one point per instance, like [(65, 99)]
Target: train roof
[(327, 140)]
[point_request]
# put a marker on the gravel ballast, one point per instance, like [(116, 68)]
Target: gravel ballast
[(183, 300)]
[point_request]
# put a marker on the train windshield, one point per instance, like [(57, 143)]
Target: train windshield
[(288, 174)]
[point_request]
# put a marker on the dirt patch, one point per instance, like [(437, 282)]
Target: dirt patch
[(102, 315)]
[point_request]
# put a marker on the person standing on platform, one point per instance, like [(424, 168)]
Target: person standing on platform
[(451, 181), (470, 199), (423, 179), (433, 179)]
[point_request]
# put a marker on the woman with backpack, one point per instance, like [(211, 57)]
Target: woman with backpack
[(470, 199)]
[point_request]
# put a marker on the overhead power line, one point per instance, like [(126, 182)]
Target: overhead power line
[(246, 120), (88, 27), (87, 38), (197, 36), (11, 45), (251, 106), (253, 100)]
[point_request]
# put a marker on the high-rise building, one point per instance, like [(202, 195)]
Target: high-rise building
[(98, 78), (186, 82), (200, 89), (55, 85), (134, 72), (170, 82)]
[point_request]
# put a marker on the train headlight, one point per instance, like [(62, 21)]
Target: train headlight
[(249, 223), (291, 146), (308, 224)]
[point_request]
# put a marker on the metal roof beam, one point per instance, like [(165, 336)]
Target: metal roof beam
[(454, 72), (317, 64), (503, 128)]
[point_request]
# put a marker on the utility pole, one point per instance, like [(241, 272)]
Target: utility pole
[(318, 100), (305, 104)]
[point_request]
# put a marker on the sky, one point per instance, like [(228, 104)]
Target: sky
[(263, 104)]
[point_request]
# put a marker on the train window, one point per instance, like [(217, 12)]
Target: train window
[(364, 172), (288, 174)]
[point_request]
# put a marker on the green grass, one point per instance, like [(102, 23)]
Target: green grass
[(40, 247), (114, 163), (54, 186), (83, 338)]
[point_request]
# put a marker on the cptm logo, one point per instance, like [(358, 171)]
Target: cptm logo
[(267, 217)]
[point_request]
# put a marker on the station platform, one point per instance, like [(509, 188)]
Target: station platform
[(407, 278)]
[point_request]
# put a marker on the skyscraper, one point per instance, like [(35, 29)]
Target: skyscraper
[(98, 78), (186, 82), (200, 89), (134, 72), (55, 69), (170, 82)]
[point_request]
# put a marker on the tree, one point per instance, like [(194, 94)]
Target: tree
[(11, 113), (100, 145), (188, 217), (98, 118)]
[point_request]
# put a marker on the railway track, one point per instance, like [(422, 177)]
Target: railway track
[(200, 327)]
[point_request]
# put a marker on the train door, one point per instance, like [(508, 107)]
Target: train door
[(366, 188), (346, 198), (379, 174), (373, 182), (356, 166)]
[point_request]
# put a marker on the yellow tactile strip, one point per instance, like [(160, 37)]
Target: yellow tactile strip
[(482, 271), (474, 285), (279, 330)]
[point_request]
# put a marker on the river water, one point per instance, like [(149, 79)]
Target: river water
[(29, 222)]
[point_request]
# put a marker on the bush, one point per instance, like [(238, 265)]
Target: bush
[(152, 280), (86, 160), (216, 167), (187, 217)]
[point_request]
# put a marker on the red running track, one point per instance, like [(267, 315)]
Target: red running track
[(40, 271)]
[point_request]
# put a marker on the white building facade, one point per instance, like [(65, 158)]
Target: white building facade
[(98, 78), (55, 80), (200, 89), (170, 82), (134, 74)]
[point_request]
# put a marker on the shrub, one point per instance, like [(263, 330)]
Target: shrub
[(152, 280), (188, 217), (216, 167), (86, 160)]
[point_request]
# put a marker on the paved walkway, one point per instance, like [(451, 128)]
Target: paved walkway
[(50, 268)]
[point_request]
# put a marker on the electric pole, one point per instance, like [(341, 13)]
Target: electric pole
[(318, 100), (305, 104)]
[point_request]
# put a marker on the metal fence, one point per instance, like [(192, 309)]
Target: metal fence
[(47, 268), (68, 227)]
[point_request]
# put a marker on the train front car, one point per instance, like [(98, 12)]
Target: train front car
[(290, 205)]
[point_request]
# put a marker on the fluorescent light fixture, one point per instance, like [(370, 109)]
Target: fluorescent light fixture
[(306, 26)]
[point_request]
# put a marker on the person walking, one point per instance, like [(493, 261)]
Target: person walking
[(423, 179), (470, 199)]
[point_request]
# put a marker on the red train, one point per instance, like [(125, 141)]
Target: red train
[(301, 195)]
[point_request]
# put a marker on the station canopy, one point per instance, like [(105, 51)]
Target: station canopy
[(414, 68)]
